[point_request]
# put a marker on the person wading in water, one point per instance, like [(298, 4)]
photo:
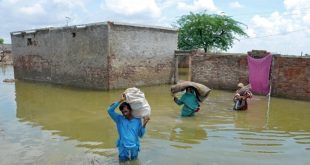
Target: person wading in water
[(189, 101), (241, 96), (129, 129)]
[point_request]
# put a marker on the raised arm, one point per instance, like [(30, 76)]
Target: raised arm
[(141, 131), (142, 127), (111, 111), (178, 101)]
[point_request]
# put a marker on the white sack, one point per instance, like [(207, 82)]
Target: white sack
[(140, 107)]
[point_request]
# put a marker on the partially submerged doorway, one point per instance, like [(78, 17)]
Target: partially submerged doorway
[(182, 65)]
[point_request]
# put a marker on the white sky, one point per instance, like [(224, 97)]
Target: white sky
[(280, 26)]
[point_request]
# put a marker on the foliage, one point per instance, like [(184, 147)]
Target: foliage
[(1, 41), (208, 31)]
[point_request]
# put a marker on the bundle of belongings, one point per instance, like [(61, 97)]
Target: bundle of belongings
[(241, 96), (201, 90), (139, 105)]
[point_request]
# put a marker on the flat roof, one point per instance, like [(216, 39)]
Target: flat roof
[(94, 24), (143, 26)]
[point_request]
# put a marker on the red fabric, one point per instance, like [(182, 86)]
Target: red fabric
[(259, 74), (197, 110)]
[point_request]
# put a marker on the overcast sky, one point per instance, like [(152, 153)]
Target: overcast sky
[(279, 26)]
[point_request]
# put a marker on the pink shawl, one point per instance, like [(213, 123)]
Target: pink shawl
[(259, 70)]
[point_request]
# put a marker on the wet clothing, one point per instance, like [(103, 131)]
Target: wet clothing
[(241, 104), (128, 153), (191, 104), (129, 132), (241, 100)]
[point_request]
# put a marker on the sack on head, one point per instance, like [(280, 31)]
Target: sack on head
[(136, 98)]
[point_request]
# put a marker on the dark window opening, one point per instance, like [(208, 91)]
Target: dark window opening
[(73, 35), (29, 41)]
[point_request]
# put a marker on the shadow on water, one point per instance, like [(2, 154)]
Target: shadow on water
[(48, 124)]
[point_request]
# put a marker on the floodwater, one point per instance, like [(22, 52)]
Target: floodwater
[(50, 124)]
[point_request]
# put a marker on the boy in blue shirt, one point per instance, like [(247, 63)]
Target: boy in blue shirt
[(129, 129)]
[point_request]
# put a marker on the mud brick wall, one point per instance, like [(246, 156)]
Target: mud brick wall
[(220, 71), (140, 56), (99, 56), (75, 56), (291, 77), (290, 74)]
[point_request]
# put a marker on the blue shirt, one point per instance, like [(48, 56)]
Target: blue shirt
[(129, 131)]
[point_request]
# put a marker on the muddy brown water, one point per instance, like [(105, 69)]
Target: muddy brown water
[(51, 124)]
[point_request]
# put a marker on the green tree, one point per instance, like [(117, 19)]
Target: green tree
[(208, 31), (1, 41)]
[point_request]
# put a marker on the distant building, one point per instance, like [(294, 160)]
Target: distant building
[(101, 56), (6, 54)]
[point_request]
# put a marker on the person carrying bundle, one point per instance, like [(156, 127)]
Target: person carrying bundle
[(189, 101), (194, 94), (129, 127), (241, 96)]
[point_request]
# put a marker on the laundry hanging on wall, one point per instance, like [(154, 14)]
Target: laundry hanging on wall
[(259, 70)]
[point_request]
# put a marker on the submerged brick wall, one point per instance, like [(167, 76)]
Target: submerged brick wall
[(73, 55), (291, 77), (290, 74), (140, 55), (99, 56), (220, 71)]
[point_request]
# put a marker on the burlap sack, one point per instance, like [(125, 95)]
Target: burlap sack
[(202, 90), (244, 89)]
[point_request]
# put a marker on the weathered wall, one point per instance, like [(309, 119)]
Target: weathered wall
[(291, 77), (71, 55), (290, 74), (103, 56), (220, 71), (140, 55)]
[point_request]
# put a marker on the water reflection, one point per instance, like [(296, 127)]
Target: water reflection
[(184, 132), (80, 115), (48, 124), (74, 114)]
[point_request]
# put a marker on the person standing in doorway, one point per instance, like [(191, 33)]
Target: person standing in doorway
[(129, 129)]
